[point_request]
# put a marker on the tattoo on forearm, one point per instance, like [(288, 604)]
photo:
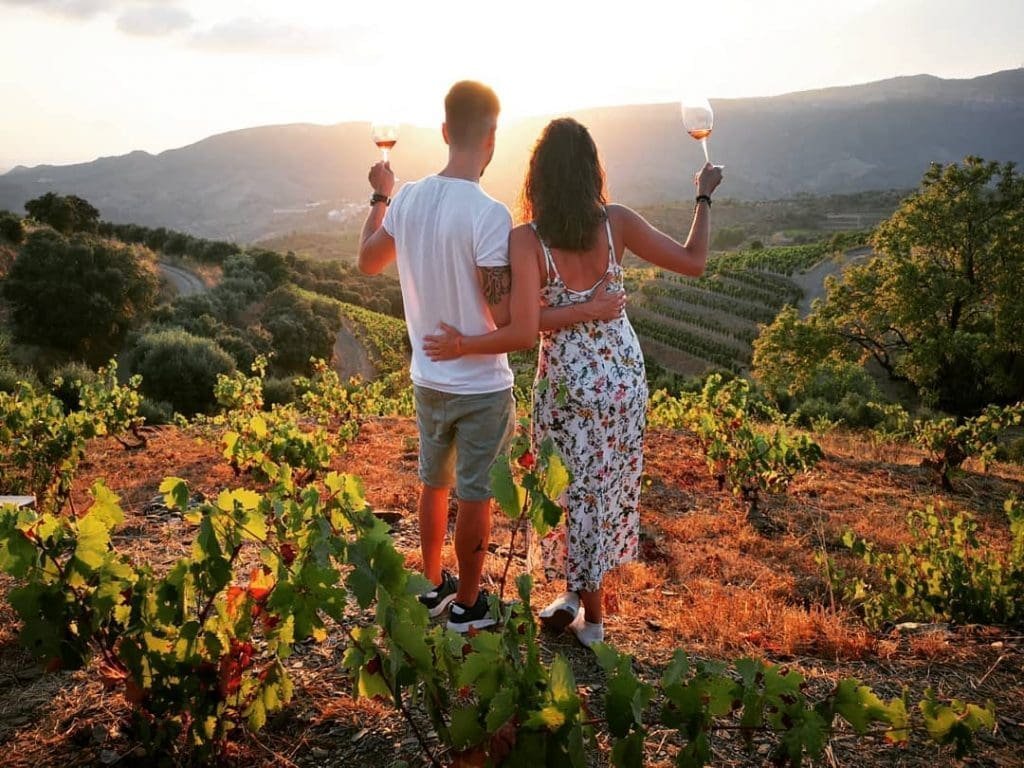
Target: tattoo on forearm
[(496, 282)]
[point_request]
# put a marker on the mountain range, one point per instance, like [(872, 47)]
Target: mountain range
[(254, 182)]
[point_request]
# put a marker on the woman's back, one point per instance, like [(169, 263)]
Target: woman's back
[(581, 271)]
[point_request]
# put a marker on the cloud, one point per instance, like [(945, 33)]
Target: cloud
[(153, 20), (76, 9), (248, 35)]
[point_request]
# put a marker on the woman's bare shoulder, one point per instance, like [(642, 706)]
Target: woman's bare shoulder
[(620, 214), (523, 236)]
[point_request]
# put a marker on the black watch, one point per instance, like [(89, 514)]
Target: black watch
[(705, 198), (377, 197)]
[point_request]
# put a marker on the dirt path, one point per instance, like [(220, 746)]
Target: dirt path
[(812, 282), (350, 358), (185, 283)]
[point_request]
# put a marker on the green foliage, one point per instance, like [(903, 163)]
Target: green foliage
[(179, 368), (79, 295), (65, 213), (197, 650), (156, 412), (67, 382), (739, 455), (795, 358), (700, 697), (939, 307), (385, 338), (783, 260), (949, 443), (945, 573), (11, 228), (116, 406), (301, 328), (42, 444)]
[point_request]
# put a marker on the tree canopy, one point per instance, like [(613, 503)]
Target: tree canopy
[(78, 294), (65, 213), (939, 306)]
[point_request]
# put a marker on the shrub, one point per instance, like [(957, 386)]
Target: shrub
[(65, 213), (1015, 451), (79, 295), (180, 369), (156, 411), (944, 574), (11, 228)]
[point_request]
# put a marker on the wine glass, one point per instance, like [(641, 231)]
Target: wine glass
[(698, 119), (385, 136)]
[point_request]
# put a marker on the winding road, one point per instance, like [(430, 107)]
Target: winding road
[(185, 283), (812, 282)]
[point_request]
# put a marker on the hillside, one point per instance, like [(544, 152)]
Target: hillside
[(707, 581), (270, 180)]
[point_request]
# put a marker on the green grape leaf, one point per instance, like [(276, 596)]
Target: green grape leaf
[(562, 682), (106, 506), (372, 685), (501, 709), (17, 554), (556, 478), (507, 492), (550, 717), (628, 752), (465, 728), (620, 702), (696, 753), (175, 491), (719, 693), (93, 541), (677, 670)]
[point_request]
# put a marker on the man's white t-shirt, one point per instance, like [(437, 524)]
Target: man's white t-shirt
[(444, 228)]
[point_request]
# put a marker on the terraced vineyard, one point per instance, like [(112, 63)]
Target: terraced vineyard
[(693, 325), (383, 336)]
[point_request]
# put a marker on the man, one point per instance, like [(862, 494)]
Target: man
[(450, 240)]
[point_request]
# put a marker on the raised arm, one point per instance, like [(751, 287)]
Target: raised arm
[(650, 244), (521, 330), (376, 245)]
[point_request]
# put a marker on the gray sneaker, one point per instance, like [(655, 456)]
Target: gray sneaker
[(462, 618), (441, 596)]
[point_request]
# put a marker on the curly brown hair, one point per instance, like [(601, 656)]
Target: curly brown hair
[(564, 192)]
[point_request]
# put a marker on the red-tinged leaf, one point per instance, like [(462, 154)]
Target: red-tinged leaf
[(236, 595)]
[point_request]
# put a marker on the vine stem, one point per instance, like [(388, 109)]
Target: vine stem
[(512, 548), (397, 695)]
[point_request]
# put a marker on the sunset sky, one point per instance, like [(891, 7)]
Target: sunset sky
[(84, 78)]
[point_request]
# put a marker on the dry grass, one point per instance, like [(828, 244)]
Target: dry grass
[(707, 582)]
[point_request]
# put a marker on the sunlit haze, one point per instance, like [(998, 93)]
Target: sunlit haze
[(85, 78)]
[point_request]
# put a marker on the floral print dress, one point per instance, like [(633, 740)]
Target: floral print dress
[(590, 398)]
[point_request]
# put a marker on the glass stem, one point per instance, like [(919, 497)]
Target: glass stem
[(384, 152), (704, 144)]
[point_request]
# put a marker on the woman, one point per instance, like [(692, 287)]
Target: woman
[(590, 395)]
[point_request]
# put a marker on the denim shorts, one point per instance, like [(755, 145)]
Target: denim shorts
[(461, 436)]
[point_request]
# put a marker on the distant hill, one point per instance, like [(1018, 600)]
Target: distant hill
[(262, 181)]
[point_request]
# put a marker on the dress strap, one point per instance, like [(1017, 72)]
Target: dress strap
[(549, 260), (612, 261)]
